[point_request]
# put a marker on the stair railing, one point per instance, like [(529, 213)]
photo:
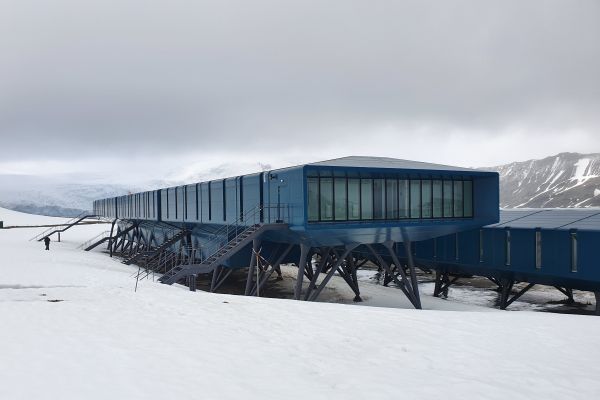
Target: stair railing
[(96, 238), (53, 227), (232, 231)]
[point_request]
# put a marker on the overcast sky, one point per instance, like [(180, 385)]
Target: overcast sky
[(89, 85)]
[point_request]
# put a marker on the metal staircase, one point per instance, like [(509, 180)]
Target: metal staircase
[(55, 229), (146, 255), (209, 264), (239, 234)]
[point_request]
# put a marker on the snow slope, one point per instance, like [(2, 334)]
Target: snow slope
[(103, 340)]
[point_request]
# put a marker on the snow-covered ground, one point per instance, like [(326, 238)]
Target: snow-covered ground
[(73, 328)]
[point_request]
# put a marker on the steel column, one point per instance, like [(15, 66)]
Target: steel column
[(313, 282), (301, 266), (334, 268), (249, 280)]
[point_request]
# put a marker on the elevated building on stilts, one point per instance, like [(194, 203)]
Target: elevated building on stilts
[(325, 218)]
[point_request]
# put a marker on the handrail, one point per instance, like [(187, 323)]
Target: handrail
[(94, 239), (249, 220), (69, 222)]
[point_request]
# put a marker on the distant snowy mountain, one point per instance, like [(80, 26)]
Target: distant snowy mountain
[(55, 197), (563, 180)]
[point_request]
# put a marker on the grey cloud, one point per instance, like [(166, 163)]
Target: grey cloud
[(141, 77)]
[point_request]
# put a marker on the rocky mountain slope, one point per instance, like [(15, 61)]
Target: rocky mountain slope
[(563, 180)]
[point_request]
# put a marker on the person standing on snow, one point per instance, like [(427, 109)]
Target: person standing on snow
[(47, 242)]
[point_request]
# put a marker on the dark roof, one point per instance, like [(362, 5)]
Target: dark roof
[(550, 218), (386, 162)]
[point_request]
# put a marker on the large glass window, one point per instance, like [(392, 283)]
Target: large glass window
[(447, 187), (366, 199), (353, 199), (326, 199), (391, 204), (415, 198), (458, 198), (313, 199), (403, 198), (468, 198), (378, 199), (425, 199), (437, 198), (340, 199)]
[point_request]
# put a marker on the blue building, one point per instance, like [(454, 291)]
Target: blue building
[(325, 217), (555, 247)]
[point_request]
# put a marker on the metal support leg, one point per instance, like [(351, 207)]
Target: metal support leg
[(442, 283), (403, 284), (301, 266), (215, 276), (110, 240), (250, 279), (597, 295), (521, 293), (506, 285), (274, 267), (410, 287), (354, 278), (411, 267), (192, 282), (334, 268), (567, 292), (438, 284), (223, 275), (322, 262)]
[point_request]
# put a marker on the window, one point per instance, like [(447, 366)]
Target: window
[(191, 204), (403, 198), (437, 199), (538, 248), (224, 197), (197, 190), (378, 199), (176, 204), (353, 199), (425, 199), (458, 198), (507, 247), (447, 188), (415, 198), (366, 199), (391, 203), (340, 199), (313, 199), (209, 201), (574, 252), (326, 187), (468, 198)]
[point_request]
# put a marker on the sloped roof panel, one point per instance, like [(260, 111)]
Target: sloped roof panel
[(386, 162), (565, 218)]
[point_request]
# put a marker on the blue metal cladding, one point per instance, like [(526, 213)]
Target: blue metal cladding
[(284, 196), (555, 255)]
